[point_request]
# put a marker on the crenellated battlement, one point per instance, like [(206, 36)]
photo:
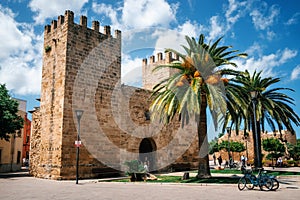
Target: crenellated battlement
[(151, 78), (68, 19), (168, 58)]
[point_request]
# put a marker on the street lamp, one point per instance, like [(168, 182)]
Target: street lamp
[(257, 148), (229, 134), (247, 156), (79, 114), (246, 142)]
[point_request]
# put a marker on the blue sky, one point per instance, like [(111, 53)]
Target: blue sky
[(267, 30)]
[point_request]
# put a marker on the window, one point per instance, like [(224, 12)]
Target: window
[(27, 139), (147, 115), (19, 157), (18, 132)]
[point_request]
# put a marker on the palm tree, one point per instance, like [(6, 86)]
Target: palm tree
[(197, 84), (272, 106)]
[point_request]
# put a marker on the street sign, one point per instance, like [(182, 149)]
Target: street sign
[(77, 143)]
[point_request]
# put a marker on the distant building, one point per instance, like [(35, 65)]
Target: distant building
[(11, 151), (248, 143), (26, 141)]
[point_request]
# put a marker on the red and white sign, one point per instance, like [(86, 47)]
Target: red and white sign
[(77, 143)]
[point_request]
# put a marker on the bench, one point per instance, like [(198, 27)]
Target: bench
[(106, 172)]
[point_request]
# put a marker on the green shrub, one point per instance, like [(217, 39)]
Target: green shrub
[(134, 166), (291, 162), (47, 48)]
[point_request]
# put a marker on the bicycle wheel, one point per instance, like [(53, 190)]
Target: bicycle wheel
[(275, 184), (249, 184), (242, 183), (265, 183)]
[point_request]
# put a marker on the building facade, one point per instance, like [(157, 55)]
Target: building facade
[(26, 141), (82, 71), (249, 144), (11, 151)]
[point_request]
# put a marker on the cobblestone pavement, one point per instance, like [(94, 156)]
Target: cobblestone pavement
[(24, 187)]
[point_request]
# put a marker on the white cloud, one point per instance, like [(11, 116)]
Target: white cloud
[(23, 79), (48, 9), (255, 49), (147, 13), (131, 70), (295, 73), (20, 55), (108, 11), (267, 63), (13, 40), (263, 21), (270, 35), (234, 11), (294, 19), (190, 29), (139, 14), (169, 39), (144, 26), (286, 55), (216, 28)]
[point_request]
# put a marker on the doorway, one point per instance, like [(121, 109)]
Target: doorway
[(147, 152)]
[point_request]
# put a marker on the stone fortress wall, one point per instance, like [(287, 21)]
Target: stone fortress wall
[(249, 144), (82, 70), (150, 77)]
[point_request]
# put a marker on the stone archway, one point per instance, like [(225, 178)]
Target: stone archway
[(147, 152)]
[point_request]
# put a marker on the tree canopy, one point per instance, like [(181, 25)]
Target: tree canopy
[(273, 106), (274, 147), (294, 150), (234, 146), (10, 121), (196, 85)]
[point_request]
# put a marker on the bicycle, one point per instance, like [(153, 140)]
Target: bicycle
[(274, 180), (249, 181)]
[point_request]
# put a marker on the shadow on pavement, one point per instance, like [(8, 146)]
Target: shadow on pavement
[(22, 173)]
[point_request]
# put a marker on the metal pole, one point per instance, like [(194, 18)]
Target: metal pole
[(229, 147), (77, 151), (258, 153), (247, 149)]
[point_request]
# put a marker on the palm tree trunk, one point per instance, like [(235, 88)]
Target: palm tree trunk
[(256, 143), (203, 168)]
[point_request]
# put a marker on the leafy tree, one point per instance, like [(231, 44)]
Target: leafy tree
[(274, 147), (272, 106), (237, 147), (213, 146), (294, 150), (198, 84), (10, 121), (234, 146), (224, 145)]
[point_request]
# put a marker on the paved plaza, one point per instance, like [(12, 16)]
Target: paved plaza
[(21, 186)]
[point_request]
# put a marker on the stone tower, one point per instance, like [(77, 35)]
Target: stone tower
[(82, 70), (66, 46), (150, 78)]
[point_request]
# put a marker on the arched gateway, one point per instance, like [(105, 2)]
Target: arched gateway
[(147, 152)]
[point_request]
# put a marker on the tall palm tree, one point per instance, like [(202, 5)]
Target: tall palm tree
[(237, 103), (197, 84), (272, 106)]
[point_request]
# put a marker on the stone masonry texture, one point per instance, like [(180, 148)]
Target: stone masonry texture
[(82, 70)]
